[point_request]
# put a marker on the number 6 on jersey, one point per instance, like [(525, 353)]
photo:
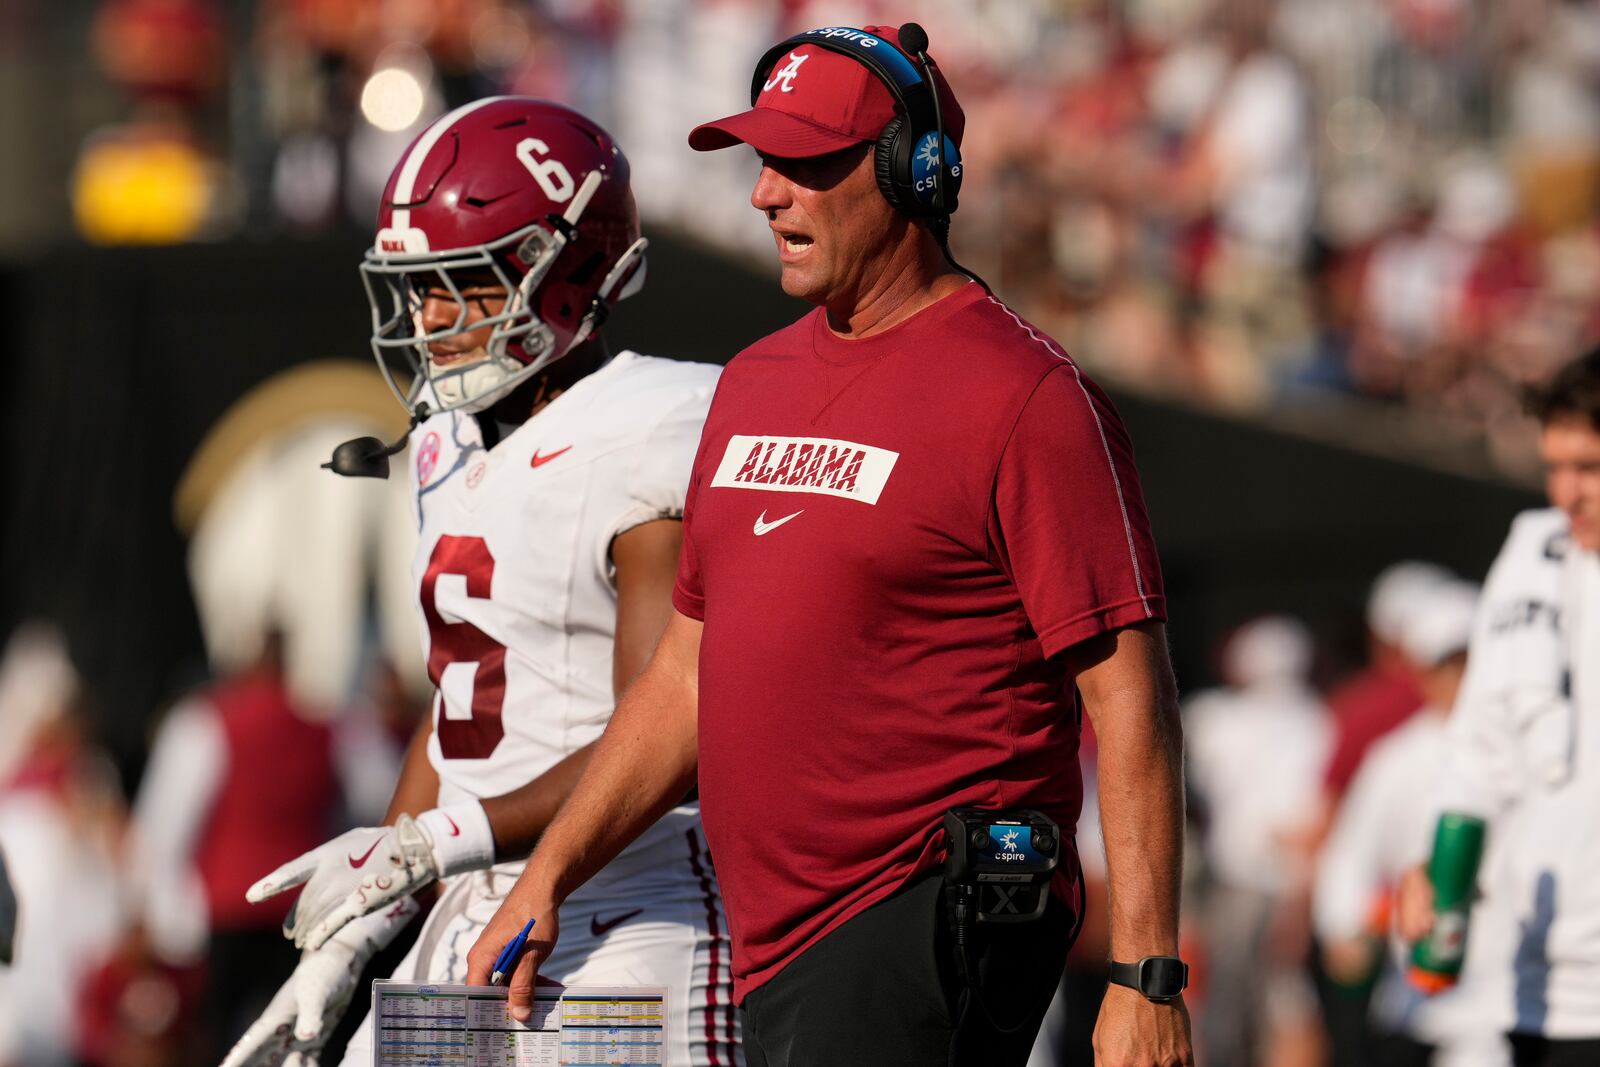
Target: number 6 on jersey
[(460, 642)]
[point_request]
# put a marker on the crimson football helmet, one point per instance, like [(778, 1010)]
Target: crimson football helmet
[(527, 191)]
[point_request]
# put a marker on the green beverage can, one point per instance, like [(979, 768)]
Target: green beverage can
[(1453, 870)]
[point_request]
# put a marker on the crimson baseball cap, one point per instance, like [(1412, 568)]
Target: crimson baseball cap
[(815, 101)]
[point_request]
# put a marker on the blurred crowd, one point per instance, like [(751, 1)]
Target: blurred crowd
[(134, 945), (1235, 202), (1308, 807)]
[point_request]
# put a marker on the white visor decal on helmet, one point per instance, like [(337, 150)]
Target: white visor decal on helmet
[(407, 241)]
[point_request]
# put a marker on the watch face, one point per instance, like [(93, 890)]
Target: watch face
[(1162, 976)]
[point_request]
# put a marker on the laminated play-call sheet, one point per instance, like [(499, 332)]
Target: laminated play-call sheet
[(467, 1026)]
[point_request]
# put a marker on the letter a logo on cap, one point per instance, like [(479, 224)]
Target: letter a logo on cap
[(786, 75)]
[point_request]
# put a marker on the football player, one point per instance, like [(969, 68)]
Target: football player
[(548, 481)]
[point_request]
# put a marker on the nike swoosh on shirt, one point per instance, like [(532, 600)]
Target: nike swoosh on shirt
[(354, 862), (455, 831), (539, 461), (763, 526), (600, 929)]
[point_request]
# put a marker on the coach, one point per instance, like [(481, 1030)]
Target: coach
[(915, 550)]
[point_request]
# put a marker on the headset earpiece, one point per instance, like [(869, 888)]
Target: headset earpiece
[(888, 164)]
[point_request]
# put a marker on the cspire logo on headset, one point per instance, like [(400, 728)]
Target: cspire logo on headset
[(925, 165), (865, 40)]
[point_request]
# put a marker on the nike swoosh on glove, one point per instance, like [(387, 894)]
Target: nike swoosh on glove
[(436, 844), (308, 1006), (329, 872)]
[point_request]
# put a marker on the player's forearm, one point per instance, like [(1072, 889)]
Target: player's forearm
[(520, 817), (418, 787), (517, 818), (642, 766)]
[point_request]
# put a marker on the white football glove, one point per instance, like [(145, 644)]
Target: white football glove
[(332, 868), (362, 870), (306, 1008)]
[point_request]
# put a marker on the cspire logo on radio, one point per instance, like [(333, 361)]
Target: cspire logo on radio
[(806, 465)]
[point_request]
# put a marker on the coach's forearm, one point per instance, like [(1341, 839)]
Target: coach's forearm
[(520, 817), (1141, 814), (641, 767), (1133, 705)]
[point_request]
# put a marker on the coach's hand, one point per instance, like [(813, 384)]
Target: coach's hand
[(522, 904), (1135, 1032)]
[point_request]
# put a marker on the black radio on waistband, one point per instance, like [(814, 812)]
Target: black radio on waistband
[(1002, 860)]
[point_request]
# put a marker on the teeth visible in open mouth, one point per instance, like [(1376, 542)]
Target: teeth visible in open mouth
[(795, 242)]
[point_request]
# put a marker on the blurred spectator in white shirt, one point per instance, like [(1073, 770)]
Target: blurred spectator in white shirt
[(61, 826), (1256, 748), (1383, 829)]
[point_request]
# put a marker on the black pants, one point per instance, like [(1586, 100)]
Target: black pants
[(1530, 1050), (885, 988), (1398, 1050), (244, 970)]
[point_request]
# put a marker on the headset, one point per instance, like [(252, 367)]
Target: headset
[(918, 166)]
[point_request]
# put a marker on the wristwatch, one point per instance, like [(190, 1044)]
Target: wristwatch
[(1159, 978)]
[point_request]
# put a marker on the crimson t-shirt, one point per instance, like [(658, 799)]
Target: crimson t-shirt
[(887, 539)]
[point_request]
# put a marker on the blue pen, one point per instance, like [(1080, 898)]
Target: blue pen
[(508, 955)]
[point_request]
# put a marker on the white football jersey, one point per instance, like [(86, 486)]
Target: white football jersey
[(514, 574)]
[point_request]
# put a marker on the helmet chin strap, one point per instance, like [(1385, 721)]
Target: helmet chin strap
[(481, 385), (634, 281), (600, 307)]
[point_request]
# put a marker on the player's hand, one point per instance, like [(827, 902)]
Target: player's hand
[(365, 869), (309, 1005), (1135, 1032), (333, 869), (523, 903), (1414, 913)]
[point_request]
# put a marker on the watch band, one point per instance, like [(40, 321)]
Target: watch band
[(1126, 974), (1134, 976)]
